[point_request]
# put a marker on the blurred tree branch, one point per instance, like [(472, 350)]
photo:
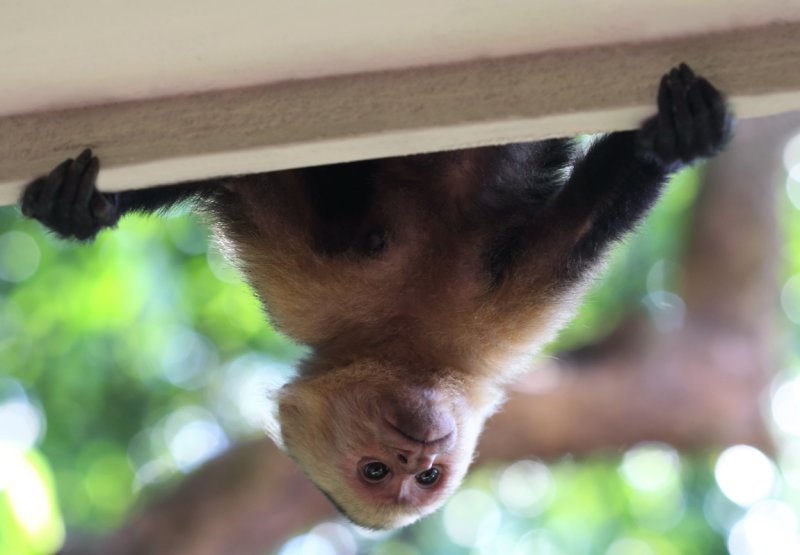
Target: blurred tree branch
[(698, 386)]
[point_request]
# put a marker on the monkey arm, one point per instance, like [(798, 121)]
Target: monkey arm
[(67, 200), (622, 174), (609, 191)]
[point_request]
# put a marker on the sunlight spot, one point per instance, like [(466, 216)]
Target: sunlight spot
[(220, 267), (525, 486), (538, 542), (188, 235), (744, 474), (193, 436), (471, 518), (790, 462), (20, 422), (793, 190), (651, 467), (790, 299), (629, 546), (11, 461), (252, 382), (786, 407), (152, 472), (19, 256), (144, 446), (666, 309), (768, 528), (791, 153), (659, 277), (719, 511), (308, 544), (188, 359), (25, 490), (339, 537)]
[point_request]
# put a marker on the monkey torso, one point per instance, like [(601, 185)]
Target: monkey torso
[(404, 255)]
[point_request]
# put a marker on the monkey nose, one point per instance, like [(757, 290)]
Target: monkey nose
[(415, 462)]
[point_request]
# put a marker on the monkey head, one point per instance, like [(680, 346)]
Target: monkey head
[(386, 447)]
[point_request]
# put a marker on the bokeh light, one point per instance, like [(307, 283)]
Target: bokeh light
[(629, 546), (308, 544), (768, 528), (220, 267), (793, 190), (471, 518), (540, 542), (188, 359), (250, 383), (338, 536), (790, 299), (26, 485), (525, 487), (19, 256), (193, 436), (651, 467), (20, 422), (786, 407), (745, 475), (791, 153), (666, 309)]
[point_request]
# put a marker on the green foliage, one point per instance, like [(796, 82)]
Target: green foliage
[(95, 335)]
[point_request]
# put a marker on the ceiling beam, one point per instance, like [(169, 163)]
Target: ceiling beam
[(377, 114)]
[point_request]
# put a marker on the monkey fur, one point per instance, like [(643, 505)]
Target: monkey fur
[(421, 284)]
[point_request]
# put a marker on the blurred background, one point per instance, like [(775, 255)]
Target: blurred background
[(665, 419)]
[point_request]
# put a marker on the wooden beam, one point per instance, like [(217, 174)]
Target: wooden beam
[(377, 114)]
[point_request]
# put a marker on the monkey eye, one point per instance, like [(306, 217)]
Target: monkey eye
[(428, 477), (374, 471)]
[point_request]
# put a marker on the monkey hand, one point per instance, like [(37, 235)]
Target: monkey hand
[(693, 120), (68, 202)]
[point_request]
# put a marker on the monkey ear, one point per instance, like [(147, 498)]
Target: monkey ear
[(285, 407), (277, 401), (272, 427)]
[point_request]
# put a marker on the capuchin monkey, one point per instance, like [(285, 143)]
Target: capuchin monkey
[(420, 284)]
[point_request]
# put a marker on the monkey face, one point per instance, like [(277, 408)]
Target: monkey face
[(384, 452)]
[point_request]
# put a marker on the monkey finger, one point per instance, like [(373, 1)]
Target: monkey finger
[(52, 184), (681, 114), (686, 74), (65, 199), (31, 196), (703, 136), (721, 121), (86, 186), (664, 136)]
